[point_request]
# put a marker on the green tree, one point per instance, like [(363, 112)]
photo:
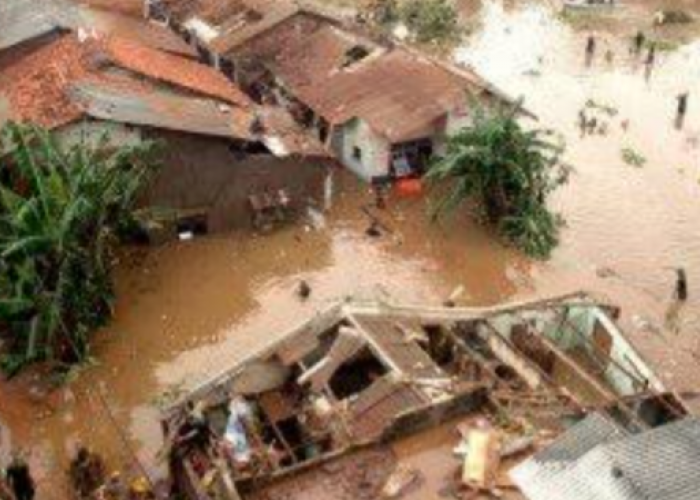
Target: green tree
[(507, 174), (433, 21), (62, 211)]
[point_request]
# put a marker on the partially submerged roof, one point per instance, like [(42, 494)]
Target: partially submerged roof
[(598, 461), (40, 87)]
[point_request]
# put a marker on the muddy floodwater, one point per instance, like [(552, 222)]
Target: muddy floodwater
[(186, 311)]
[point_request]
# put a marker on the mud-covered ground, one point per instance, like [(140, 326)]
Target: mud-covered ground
[(186, 311)]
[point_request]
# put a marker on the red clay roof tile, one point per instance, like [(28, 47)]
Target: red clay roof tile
[(174, 70), (37, 87)]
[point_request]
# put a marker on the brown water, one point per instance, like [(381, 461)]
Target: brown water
[(186, 311)]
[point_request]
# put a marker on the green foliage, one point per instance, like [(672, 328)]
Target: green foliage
[(633, 158), (61, 213), (433, 21), (507, 173)]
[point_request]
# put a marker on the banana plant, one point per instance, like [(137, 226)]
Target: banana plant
[(61, 212), (507, 173)]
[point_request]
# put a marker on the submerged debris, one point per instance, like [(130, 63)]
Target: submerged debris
[(632, 157)]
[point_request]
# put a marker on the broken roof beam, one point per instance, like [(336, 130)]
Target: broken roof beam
[(443, 314), (324, 320)]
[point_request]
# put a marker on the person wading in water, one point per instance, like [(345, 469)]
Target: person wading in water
[(682, 109), (20, 479), (590, 50)]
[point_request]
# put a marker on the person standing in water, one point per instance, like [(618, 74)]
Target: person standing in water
[(639, 41), (651, 55), (682, 108), (590, 50), (20, 479), (681, 285)]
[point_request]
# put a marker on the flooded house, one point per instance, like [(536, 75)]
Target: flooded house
[(382, 109), (360, 376), (92, 87)]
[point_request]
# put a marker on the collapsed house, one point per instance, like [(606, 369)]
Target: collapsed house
[(383, 110), (88, 87), (598, 459), (359, 375)]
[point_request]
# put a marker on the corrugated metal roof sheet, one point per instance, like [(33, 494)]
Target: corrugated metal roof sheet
[(24, 20), (399, 94), (377, 407), (236, 34), (37, 86), (663, 464), (406, 356), (160, 110), (135, 30)]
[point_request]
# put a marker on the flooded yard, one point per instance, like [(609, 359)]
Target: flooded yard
[(187, 310)]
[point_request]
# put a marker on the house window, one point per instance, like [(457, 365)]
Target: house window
[(357, 154)]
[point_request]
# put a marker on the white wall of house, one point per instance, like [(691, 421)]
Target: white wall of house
[(374, 151), (455, 121), (92, 132)]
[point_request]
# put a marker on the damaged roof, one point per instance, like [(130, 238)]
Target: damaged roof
[(177, 71), (285, 137), (40, 87), (249, 26), (400, 94), (608, 464)]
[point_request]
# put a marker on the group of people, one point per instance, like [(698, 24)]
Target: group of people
[(639, 43)]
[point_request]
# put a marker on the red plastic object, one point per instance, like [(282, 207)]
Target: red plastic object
[(409, 187)]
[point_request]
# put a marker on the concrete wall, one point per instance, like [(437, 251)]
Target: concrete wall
[(375, 149), (203, 173)]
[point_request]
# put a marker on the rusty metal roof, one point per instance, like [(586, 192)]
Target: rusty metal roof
[(40, 87), (400, 94), (240, 31), (285, 137), (377, 407), (160, 110), (135, 30), (406, 356)]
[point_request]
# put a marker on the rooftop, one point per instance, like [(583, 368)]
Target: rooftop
[(23, 20), (343, 76), (39, 87), (596, 460)]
